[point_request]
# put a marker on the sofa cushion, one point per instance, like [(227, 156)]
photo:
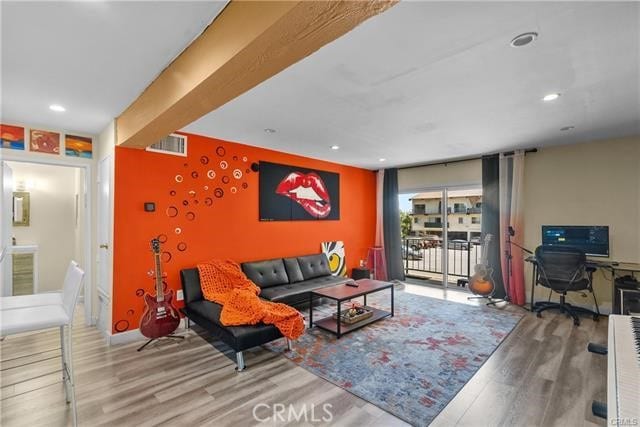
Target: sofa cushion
[(314, 266), (293, 270), (279, 293), (266, 273), (207, 315)]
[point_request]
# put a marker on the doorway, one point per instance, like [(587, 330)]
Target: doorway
[(441, 245), (45, 224)]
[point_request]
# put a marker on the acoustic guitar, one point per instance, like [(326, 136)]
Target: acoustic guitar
[(160, 317), (481, 283)]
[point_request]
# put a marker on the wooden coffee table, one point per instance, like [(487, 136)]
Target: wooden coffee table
[(342, 293)]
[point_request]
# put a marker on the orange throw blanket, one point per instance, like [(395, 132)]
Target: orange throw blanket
[(224, 283)]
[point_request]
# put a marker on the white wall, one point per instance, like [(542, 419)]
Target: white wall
[(53, 225), (593, 183)]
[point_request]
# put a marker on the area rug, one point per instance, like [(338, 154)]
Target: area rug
[(410, 365)]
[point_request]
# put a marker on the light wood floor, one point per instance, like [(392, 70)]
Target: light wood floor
[(541, 375)]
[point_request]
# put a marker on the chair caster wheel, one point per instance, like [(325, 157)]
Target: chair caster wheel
[(576, 322), (538, 314), (596, 317)]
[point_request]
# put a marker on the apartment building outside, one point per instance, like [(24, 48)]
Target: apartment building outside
[(464, 208)]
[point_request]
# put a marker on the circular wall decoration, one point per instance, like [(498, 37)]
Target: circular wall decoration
[(130, 312), (224, 165), (179, 178), (211, 174), (182, 246), (185, 202), (225, 179), (220, 151), (172, 211), (237, 173), (195, 202), (172, 192), (208, 201), (186, 165), (192, 193), (190, 216), (139, 292), (206, 187), (121, 325), (234, 190), (218, 192), (204, 160), (247, 170), (244, 159), (194, 175), (235, 157), (162, 238), (245, 185), (178, 230), (166, 256)]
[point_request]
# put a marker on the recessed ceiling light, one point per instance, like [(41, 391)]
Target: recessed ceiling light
[(551, 97), (335, 147), (269, 130), (523, 39), (57, 108), (382, 160), (566, 128)]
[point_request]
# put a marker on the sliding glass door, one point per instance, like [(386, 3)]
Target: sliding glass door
[(441, 235)]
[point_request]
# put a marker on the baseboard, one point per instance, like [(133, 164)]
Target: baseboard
[(133, 335)]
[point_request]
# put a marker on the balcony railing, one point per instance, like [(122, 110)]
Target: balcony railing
[(432, 224), (422, 255)]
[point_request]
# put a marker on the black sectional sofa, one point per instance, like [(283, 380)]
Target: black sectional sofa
[(287, 280)]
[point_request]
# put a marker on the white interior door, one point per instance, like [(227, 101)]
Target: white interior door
[(6, 224), (104, 237)]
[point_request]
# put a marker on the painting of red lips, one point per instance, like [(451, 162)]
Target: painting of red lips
[(290, 193)]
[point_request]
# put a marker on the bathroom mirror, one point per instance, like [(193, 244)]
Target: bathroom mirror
[(21, 209)]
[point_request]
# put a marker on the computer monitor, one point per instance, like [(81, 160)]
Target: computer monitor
[(592, 239)]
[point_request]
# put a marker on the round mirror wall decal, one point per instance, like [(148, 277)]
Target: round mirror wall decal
[(182, 246), (224, 165), (178, 230), (220, 151), (237, 173), (172, 211), (211, 174), (204, 160), (218, 192), (179, 178), (190, 216), (208, 201)]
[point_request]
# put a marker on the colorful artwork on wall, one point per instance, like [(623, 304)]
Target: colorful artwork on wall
[(12, 137), (291, 193), (78, 146), (43, 141), (335, 253)]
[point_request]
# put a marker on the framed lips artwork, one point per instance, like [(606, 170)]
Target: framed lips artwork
[(290, 193)]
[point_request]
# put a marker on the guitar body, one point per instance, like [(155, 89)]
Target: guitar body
[(159, 318), (481, 283)]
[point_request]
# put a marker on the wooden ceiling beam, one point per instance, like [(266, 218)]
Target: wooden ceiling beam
[(249, 42)]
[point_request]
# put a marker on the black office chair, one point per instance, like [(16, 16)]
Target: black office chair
[(564, 269)]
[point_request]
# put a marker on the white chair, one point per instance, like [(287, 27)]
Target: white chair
[(33, 300), (24, 318)]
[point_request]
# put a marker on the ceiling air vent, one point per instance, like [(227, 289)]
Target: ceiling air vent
[(171, 144)]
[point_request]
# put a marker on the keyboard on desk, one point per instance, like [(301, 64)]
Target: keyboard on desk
[(623, 371)]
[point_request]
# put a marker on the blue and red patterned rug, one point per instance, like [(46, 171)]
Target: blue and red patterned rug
[(410, 365)]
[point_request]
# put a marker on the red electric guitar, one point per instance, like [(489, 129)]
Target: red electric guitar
[(160, 317)]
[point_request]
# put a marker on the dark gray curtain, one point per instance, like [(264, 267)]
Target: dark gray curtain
[(491, 217), (391, 225)]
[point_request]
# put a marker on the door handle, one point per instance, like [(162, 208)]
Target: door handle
[(104, 246)]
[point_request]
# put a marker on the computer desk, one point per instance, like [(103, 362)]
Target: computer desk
[(613, 266)]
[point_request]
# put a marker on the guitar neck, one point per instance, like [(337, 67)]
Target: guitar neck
[(159, 287)]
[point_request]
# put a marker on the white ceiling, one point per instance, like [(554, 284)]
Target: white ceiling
[(426, 81), (92, 57)]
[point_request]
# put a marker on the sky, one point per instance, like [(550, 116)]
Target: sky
[(405, 203)]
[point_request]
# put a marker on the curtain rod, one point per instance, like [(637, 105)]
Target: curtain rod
[(506, 153)]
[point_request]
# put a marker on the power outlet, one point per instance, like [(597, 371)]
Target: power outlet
[(180, 295)]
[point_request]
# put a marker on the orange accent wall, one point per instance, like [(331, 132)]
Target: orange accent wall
[(226, 227)]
